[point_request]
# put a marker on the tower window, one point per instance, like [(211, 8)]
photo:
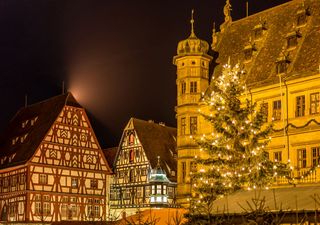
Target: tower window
[(193, 125), (193, 87), (276, 111), (183, 126), (183, 172), (300, 106), (264, 109), (183, 87), (193, 63)]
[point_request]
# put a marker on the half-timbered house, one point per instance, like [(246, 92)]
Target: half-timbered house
[(51, 165), (144, 168)]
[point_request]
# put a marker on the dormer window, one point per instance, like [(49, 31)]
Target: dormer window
[(292, 39), (248, 52), (281, 66), (258, 31), (302, 15)]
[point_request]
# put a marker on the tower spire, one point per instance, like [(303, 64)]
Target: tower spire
[(192, 24)]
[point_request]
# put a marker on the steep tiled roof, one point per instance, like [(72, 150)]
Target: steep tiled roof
[(40, 117), (277, 23), (110, 154), (158, 140)]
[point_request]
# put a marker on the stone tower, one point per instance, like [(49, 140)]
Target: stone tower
[(192, 61)]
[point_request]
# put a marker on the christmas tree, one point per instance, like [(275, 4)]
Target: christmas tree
[(234, 156)]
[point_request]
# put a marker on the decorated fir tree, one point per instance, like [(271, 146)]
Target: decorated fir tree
[(234, 156)]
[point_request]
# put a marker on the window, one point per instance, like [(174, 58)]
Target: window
[(131, 139), (96, 212), (37, 205), (183, 126), (258, 32), (43, 179), (281, 66), (131, 175), (183, 87), (193, 167), (184, 172), (22, 178), (14, 180), (277, 156), (292, 41), (302, 158), (74, 182), (159, 189), (193, 87), (264, 109), (131, 155), (276, 111), (315, 156), (94, 183), (137, 155), (193, 125), (314, 103), (248, 54), (46, 205), (300, 105)]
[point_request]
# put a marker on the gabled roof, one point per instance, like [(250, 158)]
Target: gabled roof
[(157, 140), (110, 154), (43, 115), (279, 22)]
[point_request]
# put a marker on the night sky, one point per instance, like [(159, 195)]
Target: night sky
[(114, 56)]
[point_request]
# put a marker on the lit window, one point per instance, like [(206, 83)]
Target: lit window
[(152, 199), (193, 125), (302, 158), (131, 155), (314, 103), (74, 182), (159, 189), (193, 87), (300, 106), (276, 111), (159, 199), (131, 139)]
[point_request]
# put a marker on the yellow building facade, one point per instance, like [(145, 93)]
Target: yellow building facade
[(279, 51)]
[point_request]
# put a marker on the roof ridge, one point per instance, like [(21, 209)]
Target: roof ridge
[(266, 10)]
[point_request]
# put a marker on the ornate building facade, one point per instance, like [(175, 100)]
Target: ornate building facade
[(279, 51), (144, 168), (51, 165)]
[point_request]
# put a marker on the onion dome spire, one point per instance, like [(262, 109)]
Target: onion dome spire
[(192, 24), (192, 45)]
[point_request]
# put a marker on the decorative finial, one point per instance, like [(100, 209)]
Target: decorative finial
[(214, 37), (192, 23), (158, 165), (227, 12)]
